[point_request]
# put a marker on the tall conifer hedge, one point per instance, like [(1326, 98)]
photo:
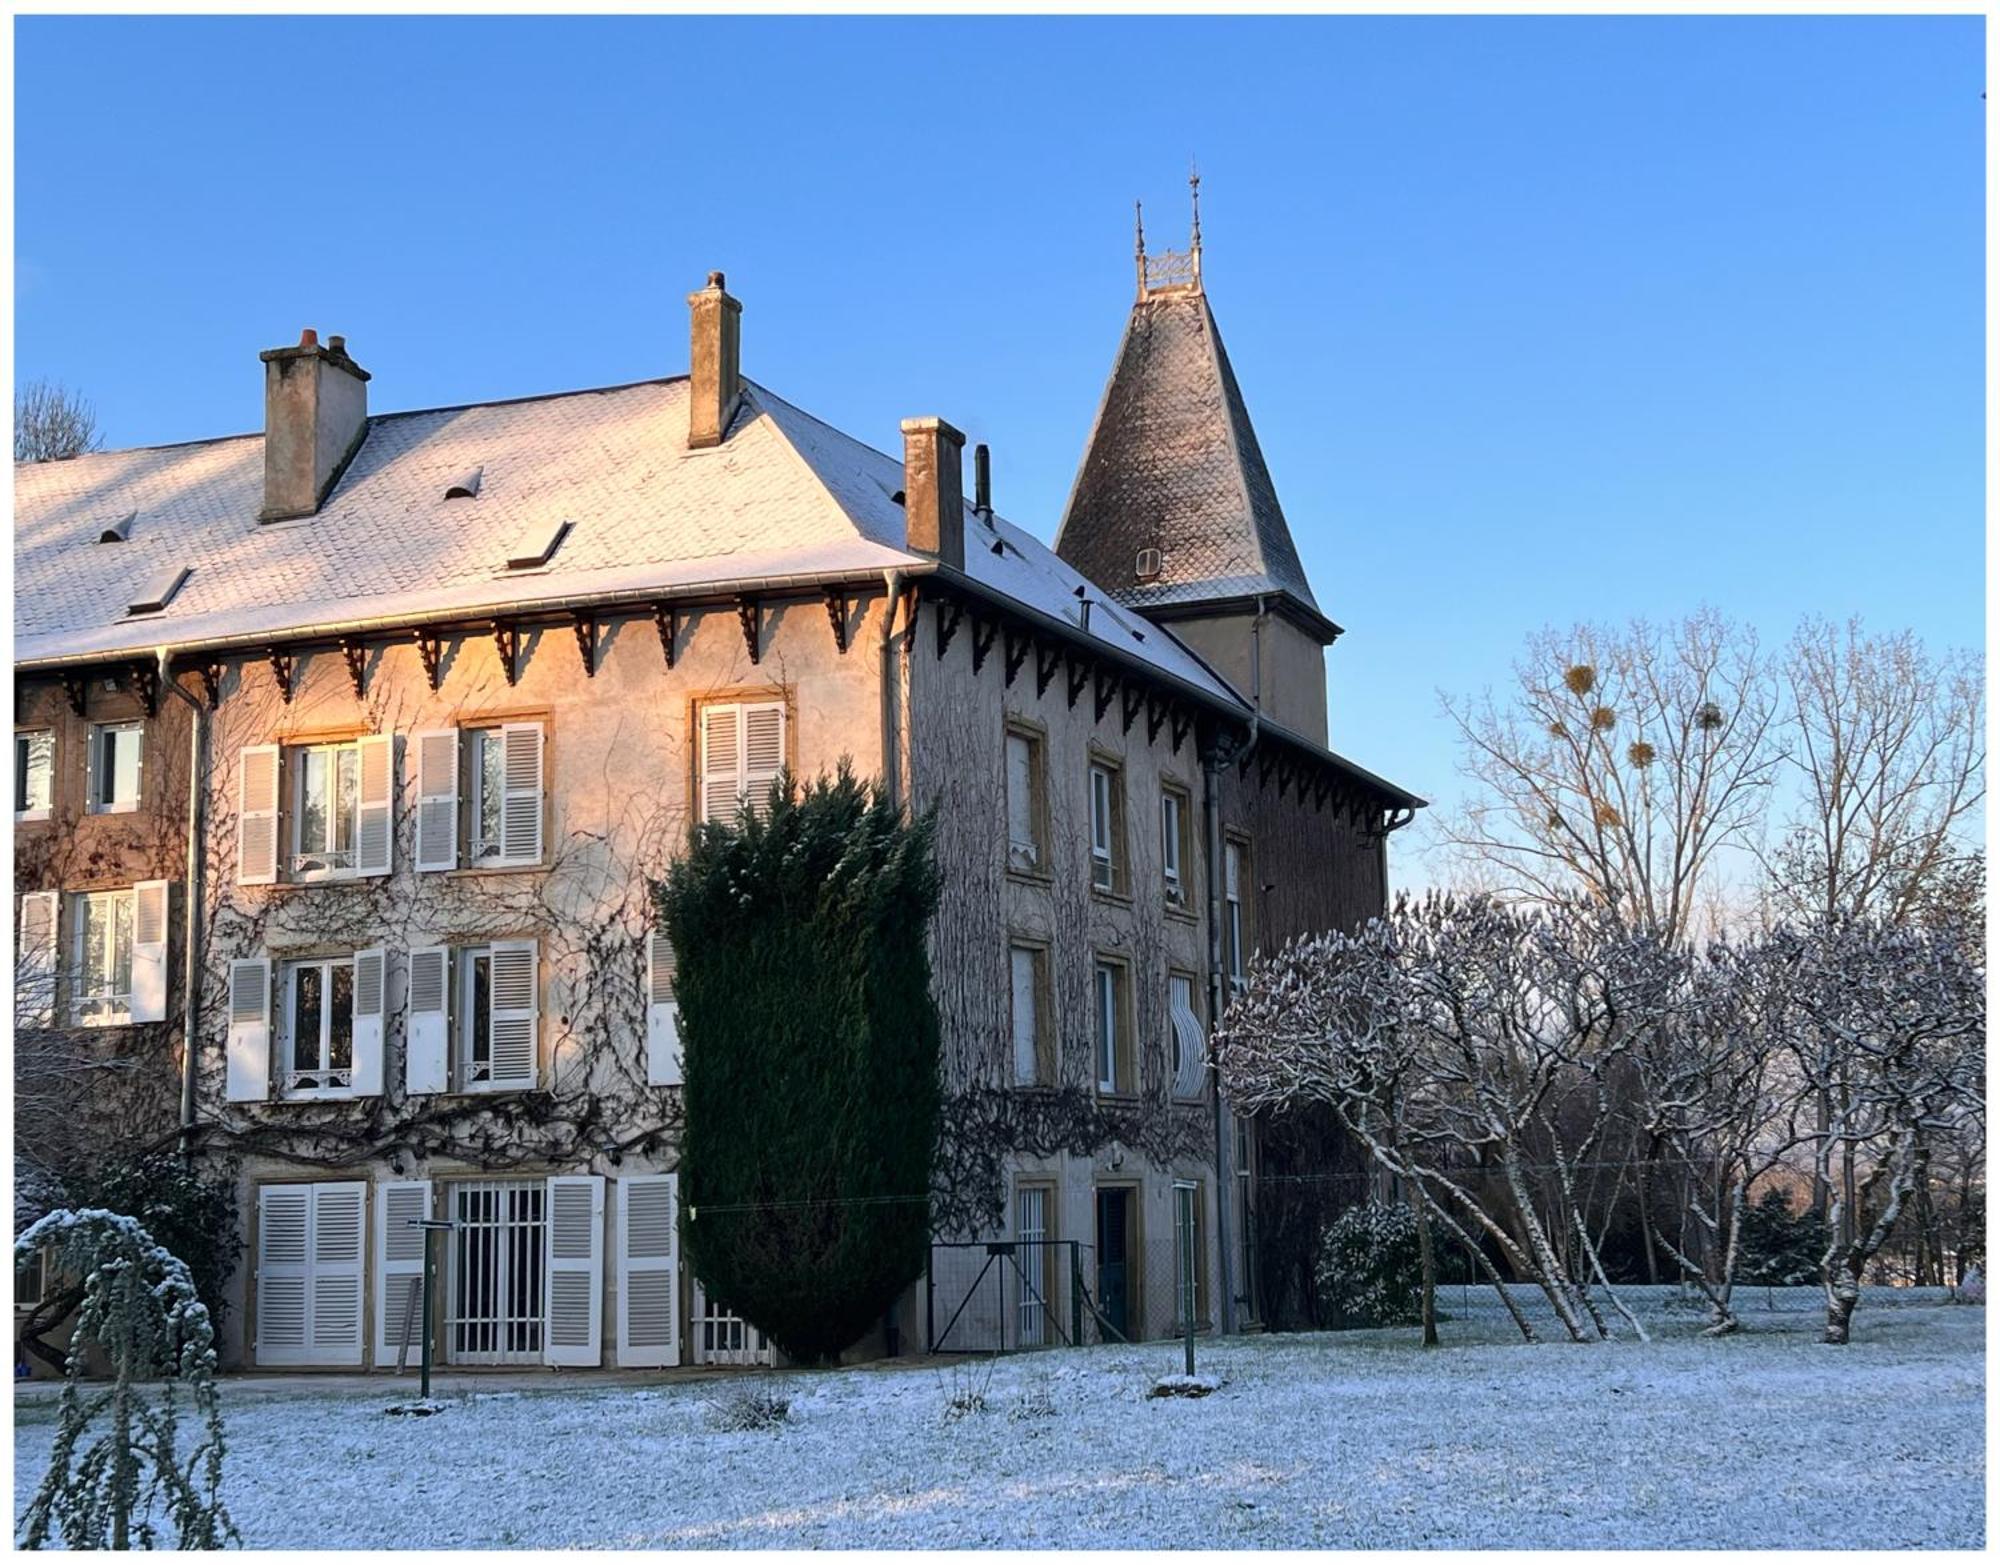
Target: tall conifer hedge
[(811, 1057)]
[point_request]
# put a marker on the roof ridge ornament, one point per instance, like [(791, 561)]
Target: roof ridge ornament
[(1172, 271)]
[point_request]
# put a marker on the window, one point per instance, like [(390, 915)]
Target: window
[(326, 809), (1028, 1014), (1174, 817), (1235, 932), (1113, 1027), (1025, 809), (31, 1279), (114, 767), (495, 1016), (485, 795), (34, 773), (1107, 827), (1185, 1040), (742, 752), (319, 1027), (102, 959), (1190, 1258), (1034, 1206), (475, 1017)]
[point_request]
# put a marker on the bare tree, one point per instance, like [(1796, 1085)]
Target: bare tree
[(51, 422), (1623, 762), (1889, 751)]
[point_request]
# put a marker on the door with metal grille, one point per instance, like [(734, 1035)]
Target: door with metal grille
[(495, 1284), (723, 1338)]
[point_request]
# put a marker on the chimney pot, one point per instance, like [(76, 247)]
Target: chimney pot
[(336, 344), (308, 338), (715, 377), (934, 489)]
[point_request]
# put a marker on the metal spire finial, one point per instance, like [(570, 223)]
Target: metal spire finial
[(1194, 199), (1139, 228)]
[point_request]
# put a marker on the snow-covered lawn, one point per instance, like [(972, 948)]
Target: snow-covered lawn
[(1355, 1439)]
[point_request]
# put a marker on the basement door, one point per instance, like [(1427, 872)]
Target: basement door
[(723, 1338), (494, 1287)]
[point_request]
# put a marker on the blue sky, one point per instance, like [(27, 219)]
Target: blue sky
[(1538, 319)]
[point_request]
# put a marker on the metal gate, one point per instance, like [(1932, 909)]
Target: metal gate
[(495, 1287), (723, 1338), (1002, 1295)]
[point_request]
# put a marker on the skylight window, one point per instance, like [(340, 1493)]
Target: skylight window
[(118, 531), (538, 547), (158, 591), (467, 486)]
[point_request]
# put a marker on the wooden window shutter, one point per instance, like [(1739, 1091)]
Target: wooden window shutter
[(573, 1324), (371, 994), (427, 1036), (259, 773), (35, 962), (721, 763), (663, 1014), (249, 1074), (339, 1232), (284, 1241), (649, 1314), (399, 1267), (375, 836), (1026, 1000), (763, 752), (521, 796), (1022, 840), (516, 1013), (436, 760), (150, 903)]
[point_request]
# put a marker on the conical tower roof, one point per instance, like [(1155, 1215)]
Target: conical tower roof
[(1173, 508)]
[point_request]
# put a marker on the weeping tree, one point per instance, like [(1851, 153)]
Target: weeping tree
[(118, 1469), (811, 1057)]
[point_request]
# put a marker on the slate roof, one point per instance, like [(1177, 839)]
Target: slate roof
[(1173, 464)]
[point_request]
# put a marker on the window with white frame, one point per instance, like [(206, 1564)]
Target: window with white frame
[(479, 796), (1235, 932), (1107, 827), (485, 771), (742, 751), (1028, 973), (116, 756), (1025, 809), (494, 1016), (1111, 1019), (326, 809), (1174, 818), (34, 773), (101, 958), (1187, 1049), (318, 1046)]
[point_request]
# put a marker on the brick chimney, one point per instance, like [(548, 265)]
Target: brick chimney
[(315, 416), (715, 376), (934, 489)]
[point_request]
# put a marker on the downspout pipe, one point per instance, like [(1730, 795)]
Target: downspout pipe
[(892, 583), (191, 933)]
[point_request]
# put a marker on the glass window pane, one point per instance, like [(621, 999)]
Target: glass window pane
[(340, 1024), (479, 1008), (308, 1011), (347, 798), (312, 801), (34, 769), (491, 762), (96, 944), (125, 765)]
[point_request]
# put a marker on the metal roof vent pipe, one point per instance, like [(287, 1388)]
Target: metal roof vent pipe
[(315, 418), (715, 371), (982, 482), (934, 490)]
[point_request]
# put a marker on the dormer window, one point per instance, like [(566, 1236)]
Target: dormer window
[(537, 548)]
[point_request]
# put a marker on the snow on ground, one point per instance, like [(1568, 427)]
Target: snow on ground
[(1354, 1439)]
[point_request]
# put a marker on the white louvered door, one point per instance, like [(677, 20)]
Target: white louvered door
[(663, 1021), (259, 771), (375, 836), (150, 903), (436, 760), (400, 1204), (649, 1316), (310, 1244), (575, 1270)]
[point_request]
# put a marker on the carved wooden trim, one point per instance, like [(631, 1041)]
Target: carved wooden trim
[(1156, 714), (283, 667), (1135, 698), (1107, 687), (1183, 720), (1047, 661), (507, 642), (584, 623), (983, 632), (1016, 651), (77, 689), (750, 615), (210, 670), (356, 656), (667, 621), (430, 650), (146, 684), (1079, 676), (948, 627), (836, 613)]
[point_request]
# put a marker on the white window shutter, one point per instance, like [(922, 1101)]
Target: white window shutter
[(259, 772), (573, 1321), (1024, 1003), (437, 798), (339, 1235), (150, 902), (663, 1014), (35, 962), (521, 796), (399, 1267), (516, 1013), (649, 1313), (284, 1248), (375, 837), (721, 763), (763, 752), (427, 1037), (249, 1031), (371, 993)]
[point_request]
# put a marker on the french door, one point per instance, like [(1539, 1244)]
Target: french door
[(494, 1289)]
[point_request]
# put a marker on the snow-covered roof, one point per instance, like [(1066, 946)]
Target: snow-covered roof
[(784, 499)]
